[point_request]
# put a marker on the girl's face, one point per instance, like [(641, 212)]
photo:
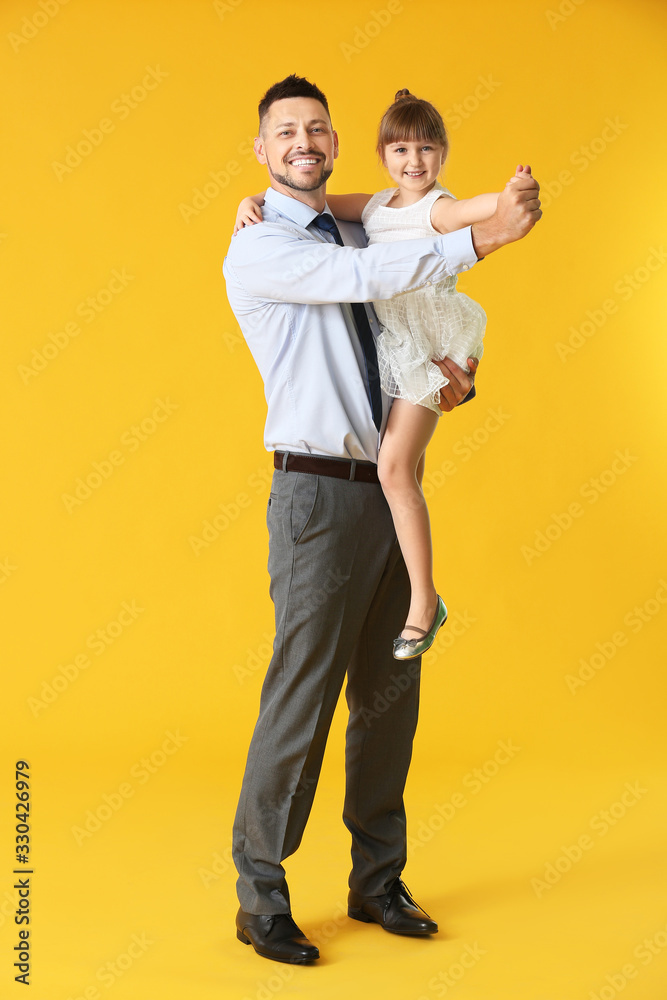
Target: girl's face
[(414, 165)]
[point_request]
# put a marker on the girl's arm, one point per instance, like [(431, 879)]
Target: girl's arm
[(449, 214), (249, 212), (348, 207)]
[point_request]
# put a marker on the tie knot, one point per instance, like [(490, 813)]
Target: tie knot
[(328, 223), (324, 221)]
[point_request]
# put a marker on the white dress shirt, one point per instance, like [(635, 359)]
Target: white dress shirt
[(288, 285)]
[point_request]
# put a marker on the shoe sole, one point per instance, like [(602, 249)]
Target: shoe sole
[(275, 958), (364, 918)]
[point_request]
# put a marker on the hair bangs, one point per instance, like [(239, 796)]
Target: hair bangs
[(410, 119)]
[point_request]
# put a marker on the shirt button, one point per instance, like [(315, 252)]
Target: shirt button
[(466, 267)]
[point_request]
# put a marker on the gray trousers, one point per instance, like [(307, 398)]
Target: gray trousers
[(341, 593)]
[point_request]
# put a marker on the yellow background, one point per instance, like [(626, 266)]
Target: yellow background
[(190, 662)]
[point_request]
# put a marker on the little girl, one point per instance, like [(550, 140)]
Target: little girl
[(431, 322)]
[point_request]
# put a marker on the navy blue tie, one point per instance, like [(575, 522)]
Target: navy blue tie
[(327, 223)]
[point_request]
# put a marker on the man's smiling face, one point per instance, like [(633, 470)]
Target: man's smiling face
[(297, 144)]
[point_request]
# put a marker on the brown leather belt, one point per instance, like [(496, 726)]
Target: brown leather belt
[(340, 468)]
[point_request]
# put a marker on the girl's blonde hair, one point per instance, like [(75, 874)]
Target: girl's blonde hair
[(409, 119)]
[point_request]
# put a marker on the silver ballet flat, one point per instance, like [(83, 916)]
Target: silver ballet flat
[(409, 649)]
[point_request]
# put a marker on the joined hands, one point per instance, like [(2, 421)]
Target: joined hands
[(517, 212)]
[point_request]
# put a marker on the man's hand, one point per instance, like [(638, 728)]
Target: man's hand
[(517, 212), (460, 383)]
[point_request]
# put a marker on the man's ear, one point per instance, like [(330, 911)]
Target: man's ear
[(258, 146), (335, 141)]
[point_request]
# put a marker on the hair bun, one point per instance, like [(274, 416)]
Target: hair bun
[(402, 93)]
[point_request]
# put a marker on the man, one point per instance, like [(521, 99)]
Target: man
[(338, 581)]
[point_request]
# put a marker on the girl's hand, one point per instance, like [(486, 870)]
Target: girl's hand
[(521, 172), (248, 214), (517, 212)]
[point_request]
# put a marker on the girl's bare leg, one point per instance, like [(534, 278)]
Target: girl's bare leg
[(420, 468), (400, 468)]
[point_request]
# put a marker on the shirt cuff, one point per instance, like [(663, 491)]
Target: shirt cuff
[(457, 249)]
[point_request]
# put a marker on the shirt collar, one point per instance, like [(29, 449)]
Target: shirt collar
[(293, 209)]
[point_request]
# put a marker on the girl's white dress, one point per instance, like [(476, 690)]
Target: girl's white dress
[(430, 322)]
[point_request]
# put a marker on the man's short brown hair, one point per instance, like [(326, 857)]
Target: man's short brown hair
[(291, 86)]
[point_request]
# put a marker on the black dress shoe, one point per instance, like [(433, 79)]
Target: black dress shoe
[(396, 911), (276, 936)]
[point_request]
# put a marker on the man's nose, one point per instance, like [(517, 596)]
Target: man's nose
[(302, 139)]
